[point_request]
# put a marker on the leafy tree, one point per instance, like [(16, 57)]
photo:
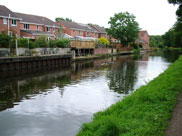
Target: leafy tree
[(103, 40), (124, 28), (4, 39), (156, 41), (23, 42), (169, 38), (179, 10), (52, 43), (63, 19), (41, 42), (62, 43)]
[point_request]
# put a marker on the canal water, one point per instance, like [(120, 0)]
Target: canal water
[(57, 101)]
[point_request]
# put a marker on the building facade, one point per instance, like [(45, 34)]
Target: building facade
[(25, 25)]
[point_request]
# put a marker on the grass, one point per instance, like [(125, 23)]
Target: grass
[(146, 112)]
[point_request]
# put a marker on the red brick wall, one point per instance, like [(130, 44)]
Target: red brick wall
[(101, 51), (25, 34), (15, 29), (145, 38)]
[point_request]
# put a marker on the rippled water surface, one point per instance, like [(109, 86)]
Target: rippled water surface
[(56, 101)]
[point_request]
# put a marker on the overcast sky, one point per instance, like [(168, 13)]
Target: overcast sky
[(155, 16)]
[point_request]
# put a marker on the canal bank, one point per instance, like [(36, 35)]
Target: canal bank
[(145, 112), (15, 63), (100, 56)]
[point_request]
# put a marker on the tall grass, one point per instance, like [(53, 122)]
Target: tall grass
[(146, 112)]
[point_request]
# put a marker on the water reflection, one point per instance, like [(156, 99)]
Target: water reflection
[(57, 101), (122, 75)]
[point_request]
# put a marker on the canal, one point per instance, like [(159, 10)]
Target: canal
[(56, 101)]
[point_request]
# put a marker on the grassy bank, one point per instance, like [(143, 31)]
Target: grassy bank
[(144, 113)]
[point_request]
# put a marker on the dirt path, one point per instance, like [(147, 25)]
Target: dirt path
[(175, 127)]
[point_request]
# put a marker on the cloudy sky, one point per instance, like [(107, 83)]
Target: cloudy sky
[(155, 16)]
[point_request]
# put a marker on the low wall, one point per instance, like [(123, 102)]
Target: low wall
[(4, 52), (45, 51), (104, 51)]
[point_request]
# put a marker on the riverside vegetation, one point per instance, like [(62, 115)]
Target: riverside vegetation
[(146, 112)]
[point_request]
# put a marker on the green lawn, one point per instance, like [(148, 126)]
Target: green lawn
[(146, 112)]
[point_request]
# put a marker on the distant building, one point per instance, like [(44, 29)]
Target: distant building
[(101, 31), (9, 21), (144, 39), (25, 25), (77, 29)]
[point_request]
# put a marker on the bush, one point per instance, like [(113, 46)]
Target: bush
[(62, 43), (103, 40), (41, 42), (52, 43), (23, 43), (4, 39)]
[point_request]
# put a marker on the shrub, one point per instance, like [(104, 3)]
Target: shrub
[(62, 43), (4, 39), (32, 44), (23, 42), (52, 43), (103, 40), (41, 42)]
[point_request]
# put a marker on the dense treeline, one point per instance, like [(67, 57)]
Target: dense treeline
[(173, 37)]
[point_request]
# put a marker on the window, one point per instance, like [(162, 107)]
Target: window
[(37, 27), (26, 26), (13, 22), (80, 32), (5, 21), (53, 29), (88, 33), (48, 29)]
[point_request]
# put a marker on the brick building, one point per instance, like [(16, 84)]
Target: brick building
[(9, 21), (77, 29), (25, 25), (101, 31)]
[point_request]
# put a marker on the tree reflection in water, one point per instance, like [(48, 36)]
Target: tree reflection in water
[(122, 76)]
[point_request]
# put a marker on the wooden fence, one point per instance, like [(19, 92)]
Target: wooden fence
[(82, 44)]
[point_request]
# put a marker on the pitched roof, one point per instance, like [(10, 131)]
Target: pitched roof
[(142, 33), (38, 32), (36, 19), (99, 28), (4, 11), (79, 26)]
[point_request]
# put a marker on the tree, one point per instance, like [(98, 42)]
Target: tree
[(103, 40), (124, 28), (169, 38), (4, 39), (179, 10), (63, 19), (156, 41)]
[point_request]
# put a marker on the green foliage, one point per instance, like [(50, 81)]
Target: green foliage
[(124, 28), (62, 43), (63, 19), (156, 41), (52, 43), (41, 42), (23, 43), (146, 112), (103, 40), (4, 40), (179, 10)]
